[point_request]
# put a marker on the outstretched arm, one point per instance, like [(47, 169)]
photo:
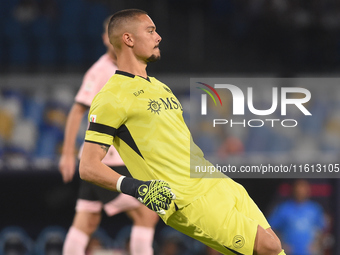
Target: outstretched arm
[(155, 194)]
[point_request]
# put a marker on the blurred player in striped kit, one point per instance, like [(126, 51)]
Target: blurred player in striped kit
[(92, 199)]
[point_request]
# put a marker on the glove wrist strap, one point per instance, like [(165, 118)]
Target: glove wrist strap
[(129, 186), (119, 182)]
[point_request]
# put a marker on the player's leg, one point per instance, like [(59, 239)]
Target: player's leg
[(219, 221), (270, 231), (266, 242), (143, 229), (143, 216), (86, 219), (144, 222), (84, 225), (87, 222)]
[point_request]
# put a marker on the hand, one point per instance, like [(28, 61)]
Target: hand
[(155, 194), (67, 167)]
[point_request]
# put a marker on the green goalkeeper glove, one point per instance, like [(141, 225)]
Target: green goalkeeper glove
[(155, 194)]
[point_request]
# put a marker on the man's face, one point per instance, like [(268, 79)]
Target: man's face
[(301, 190), (146, 40)]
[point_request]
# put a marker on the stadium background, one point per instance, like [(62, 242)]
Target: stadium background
[(47, 45)]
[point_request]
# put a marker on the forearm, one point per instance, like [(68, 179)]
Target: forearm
[(155, 194), (72, 127), (99, 174)]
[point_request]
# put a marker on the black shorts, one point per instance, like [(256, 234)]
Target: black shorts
[(92, 192)]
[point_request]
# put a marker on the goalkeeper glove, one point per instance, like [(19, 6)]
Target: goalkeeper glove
[(155, 194)]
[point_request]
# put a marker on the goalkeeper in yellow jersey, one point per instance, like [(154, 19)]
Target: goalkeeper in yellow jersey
[(142, 118)]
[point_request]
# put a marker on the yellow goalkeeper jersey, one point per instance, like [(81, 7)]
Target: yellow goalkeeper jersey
[(143, 119)]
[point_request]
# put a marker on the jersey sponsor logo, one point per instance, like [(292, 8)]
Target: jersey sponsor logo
[(93, 118), (238, 241), (154, 106), (171, 103)]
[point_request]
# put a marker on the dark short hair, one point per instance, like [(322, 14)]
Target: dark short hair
[(123, 15)]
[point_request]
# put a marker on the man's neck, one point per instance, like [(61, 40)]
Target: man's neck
[(133, 66), (112, 57)]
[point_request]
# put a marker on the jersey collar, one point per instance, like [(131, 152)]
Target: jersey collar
[(130, 75)]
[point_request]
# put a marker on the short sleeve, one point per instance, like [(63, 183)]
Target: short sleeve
[(89, 88), (106, 115)]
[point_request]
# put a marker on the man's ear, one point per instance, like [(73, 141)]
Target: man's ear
[(128, 40)]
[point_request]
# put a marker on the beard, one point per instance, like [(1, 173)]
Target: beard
[(153, 58)]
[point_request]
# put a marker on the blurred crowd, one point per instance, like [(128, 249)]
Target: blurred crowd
[(313, 138), (33, 121), (32, 126), (40, 33), (281, 36), (15, 240)]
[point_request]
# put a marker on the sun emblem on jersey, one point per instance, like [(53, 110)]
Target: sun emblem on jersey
[(154, 106)]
